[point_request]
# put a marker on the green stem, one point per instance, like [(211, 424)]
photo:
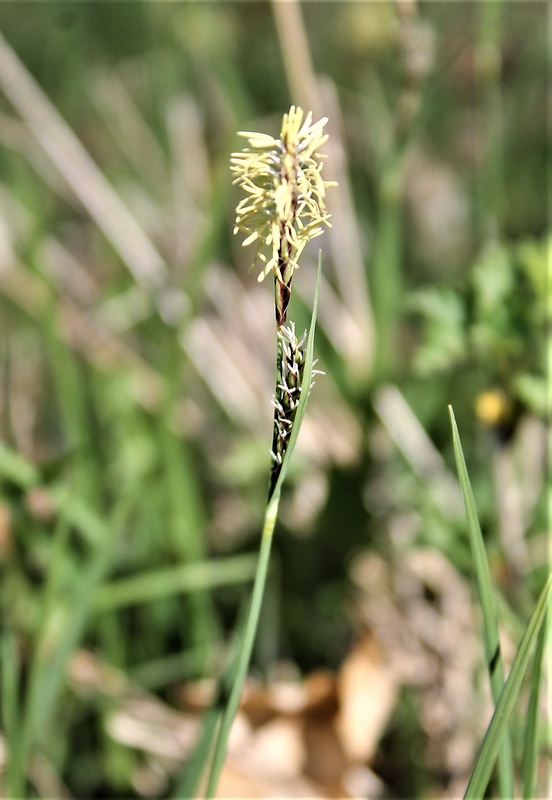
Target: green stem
[(271, 513), (246, 647), (530, 753)]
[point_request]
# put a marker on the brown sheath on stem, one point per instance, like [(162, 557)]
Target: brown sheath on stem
[(283, 293)]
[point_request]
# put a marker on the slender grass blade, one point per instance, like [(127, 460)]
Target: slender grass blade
[(530, 752), (499, 722), (488, 605), (186, 578)]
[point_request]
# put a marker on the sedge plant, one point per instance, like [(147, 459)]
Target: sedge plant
[(283, 209)]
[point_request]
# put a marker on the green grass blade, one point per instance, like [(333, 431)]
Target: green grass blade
[(199, 576), (54, 642), (246, 647), (58, 640), (66, 502), (16, 469), (185, 526), (488, 606), (530, 750), (499, 722), (189, 782), (11, 713)]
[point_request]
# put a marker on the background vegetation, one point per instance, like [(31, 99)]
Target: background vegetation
[(137, 370)]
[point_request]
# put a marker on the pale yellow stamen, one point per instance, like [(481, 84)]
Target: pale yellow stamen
[(285, 199)]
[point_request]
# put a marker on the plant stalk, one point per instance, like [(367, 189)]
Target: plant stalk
[(246, 646)]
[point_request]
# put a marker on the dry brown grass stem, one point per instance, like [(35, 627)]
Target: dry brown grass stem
[(409, 436), (348, 256), (80, 172)]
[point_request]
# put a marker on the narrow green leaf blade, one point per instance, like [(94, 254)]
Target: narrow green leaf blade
[(188, 784), (488, 605), (499, 722), (481, 564), (530, 751), (185, 578), (11, 713)]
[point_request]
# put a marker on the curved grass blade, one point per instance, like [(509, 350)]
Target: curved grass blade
[(530, 750), (185, 578), (14, 775), (488, 606), (499, 722)]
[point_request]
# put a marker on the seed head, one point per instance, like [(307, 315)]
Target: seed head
[(289, 387), (289, 384)]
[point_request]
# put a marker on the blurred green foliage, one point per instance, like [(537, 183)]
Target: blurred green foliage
[(136, 423)]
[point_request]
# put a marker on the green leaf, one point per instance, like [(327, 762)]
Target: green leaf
[(17, 469), (11, 712), (189, 781), (499, 722), (184, 578), (532, 723), (493, 281), (488, 604), (444, 338)]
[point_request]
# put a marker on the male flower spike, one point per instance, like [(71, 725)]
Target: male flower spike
[(284, 205)]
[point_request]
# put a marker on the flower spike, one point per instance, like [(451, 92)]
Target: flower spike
[(284, 206)]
